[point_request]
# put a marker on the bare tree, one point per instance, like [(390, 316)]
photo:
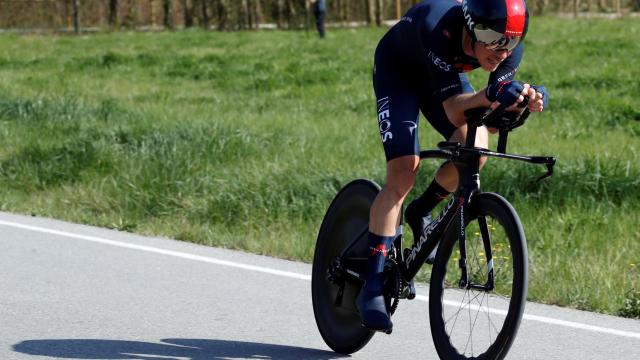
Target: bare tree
[(379, 12), (280, 14), (112, 17), (259, 16), (76, 16), (152, 5), (187, 8), (204, 14), (244, 14), (370, 10), (222, 12), (168, 20)]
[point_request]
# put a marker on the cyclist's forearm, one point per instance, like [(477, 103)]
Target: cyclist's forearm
[(456, 105)]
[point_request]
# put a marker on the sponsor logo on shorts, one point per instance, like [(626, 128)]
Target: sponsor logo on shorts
[(384, 123), (412, 126)]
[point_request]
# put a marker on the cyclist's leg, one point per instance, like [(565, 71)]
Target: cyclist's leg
[(397, 106), (445, 181), (447, 175), (385, 211)]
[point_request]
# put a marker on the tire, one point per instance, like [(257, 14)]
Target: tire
[(480, 324), (346, 218)]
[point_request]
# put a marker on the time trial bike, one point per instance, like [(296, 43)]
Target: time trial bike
[(478, 284)]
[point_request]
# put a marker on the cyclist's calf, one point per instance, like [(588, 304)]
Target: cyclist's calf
[(385, 210)]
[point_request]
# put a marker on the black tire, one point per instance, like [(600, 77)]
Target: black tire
[(468, 323), (346, 218)]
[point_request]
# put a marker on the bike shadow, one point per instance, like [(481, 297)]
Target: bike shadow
[(168, 349)]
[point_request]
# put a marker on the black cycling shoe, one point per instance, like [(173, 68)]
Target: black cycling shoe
[(373, 310)]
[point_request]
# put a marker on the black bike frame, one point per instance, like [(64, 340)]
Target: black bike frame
[(467, 164), (466, 159)]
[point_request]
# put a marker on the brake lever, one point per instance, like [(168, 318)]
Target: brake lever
[(550, 164)]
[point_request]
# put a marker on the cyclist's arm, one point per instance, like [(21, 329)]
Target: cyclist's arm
[(507, 71), (448, 86), (509, 67), (456, 105)]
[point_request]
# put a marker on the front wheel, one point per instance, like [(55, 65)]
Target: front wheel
[(480, 319)]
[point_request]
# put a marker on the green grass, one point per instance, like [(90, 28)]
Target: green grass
[(241, 140)]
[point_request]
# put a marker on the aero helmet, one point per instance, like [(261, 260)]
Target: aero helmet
[(498, 24)]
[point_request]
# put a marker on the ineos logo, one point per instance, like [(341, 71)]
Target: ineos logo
[(383, 119), (438, 62)]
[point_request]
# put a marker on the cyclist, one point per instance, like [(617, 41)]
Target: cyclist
[(420, 65)]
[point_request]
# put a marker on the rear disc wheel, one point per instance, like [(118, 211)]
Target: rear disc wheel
[(334, 294)]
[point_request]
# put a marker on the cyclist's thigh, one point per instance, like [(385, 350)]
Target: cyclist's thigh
[(397, 108), (433, 110)]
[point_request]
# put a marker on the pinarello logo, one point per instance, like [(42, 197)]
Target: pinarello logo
[(380, 249)]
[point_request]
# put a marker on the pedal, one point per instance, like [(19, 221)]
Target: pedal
[(409, 291)]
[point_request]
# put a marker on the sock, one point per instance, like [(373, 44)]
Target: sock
[(421, 206), (378, 248)]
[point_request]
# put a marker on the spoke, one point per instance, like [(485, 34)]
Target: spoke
[(456, 315), (470, 340), (481, 300), (472, 326), (489, 322), (488, 312), (462, 307)]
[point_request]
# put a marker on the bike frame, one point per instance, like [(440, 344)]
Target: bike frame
[(466, 159)]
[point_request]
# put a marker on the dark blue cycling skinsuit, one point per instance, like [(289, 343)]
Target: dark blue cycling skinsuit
[(419, 63)]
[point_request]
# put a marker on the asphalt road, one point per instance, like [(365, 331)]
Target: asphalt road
[(75, 292)]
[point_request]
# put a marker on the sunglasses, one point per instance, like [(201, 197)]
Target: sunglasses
[(493, 40)]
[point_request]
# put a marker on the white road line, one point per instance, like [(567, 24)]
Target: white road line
[(293, 275), (158, 250)]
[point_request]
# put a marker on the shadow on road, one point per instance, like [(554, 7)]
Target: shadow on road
[(178, 349)]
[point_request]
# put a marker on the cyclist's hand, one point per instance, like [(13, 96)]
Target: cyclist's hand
[(508, 93), (538, 98)]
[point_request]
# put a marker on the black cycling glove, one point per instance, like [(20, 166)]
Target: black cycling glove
[(505, 92)]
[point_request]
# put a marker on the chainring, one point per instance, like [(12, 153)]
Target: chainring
[(392, 285)]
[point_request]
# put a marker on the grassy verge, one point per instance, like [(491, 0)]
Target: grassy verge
[(241, 140)]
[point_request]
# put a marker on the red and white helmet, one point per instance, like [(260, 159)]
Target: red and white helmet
[(498, 24)]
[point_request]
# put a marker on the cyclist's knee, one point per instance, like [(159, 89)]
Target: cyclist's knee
[(482, 139), (401, 175), (483, 160)]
